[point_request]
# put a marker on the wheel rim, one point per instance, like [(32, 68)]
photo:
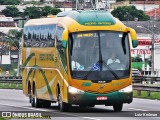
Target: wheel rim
[(60, 101)]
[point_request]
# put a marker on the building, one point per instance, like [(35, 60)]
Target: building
[(154, 13)]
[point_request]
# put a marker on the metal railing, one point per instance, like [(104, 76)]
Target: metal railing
[(139, 87), (147, 79), (146, 87), (11, 80)]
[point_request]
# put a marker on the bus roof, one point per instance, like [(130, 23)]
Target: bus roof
[(77, 19)]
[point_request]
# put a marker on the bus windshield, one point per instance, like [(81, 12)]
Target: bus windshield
[(99, 55)]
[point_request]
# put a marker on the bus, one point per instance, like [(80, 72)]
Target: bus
[(49, 47)]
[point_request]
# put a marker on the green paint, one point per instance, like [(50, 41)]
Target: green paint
[(46, 57), (40, 69), (91, 98), (48, 87), (134, 43), (86, 84), (27, 60), (64, 43), (95, 18), (92, 17)]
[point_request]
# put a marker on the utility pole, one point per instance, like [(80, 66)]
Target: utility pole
[(152, 52)]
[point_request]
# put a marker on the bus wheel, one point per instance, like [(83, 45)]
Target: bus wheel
[(118, 107), (62, 105), (35, 102), (29, 93)]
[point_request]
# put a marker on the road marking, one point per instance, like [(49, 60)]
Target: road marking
[(24, 107), (90, 118), (137, 109)]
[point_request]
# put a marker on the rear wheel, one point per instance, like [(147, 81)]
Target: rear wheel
[(118, 107), (29, 93)]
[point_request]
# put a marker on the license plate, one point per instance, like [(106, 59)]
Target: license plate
[(102, 98)]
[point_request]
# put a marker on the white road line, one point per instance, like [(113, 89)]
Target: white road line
[(137, 109), (25, 107), (90, 118)]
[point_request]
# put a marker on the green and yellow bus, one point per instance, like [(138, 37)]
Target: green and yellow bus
[(51, 48)]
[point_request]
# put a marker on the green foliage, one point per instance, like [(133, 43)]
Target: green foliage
[(32, 2), (37, 12), (11, 11), (9, 2), (46, 10), (6, 67), (129, 13), (154, 95), (32, 12), (55, 11)]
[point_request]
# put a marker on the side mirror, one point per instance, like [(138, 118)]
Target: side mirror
[(65, 38), (133, 37)]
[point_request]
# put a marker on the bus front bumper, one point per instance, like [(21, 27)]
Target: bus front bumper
[(87, 98)]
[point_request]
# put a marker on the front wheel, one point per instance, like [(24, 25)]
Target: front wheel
[(118, 107), (62, 105)]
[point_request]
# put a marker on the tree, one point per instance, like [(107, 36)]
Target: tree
[(55, 11), (15, 36), (11, 11), (9, 2), (46, 10), (32, 12), (129, 13)]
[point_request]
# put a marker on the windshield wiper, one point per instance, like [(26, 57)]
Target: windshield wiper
[(89, 72), (110, 69)]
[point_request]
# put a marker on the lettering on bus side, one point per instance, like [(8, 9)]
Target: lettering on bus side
[(46, 57)]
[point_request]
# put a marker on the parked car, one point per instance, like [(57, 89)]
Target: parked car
[(136, 75)]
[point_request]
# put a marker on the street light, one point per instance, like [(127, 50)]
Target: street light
[(152, 48)]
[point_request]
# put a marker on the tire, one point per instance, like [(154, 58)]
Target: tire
[(29, 93), (62, 105), (118, 107), (35, 102)]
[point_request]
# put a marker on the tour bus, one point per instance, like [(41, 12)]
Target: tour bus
[(51, 48)]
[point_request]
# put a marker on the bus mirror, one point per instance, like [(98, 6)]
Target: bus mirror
[(65, 38), (133, 37)]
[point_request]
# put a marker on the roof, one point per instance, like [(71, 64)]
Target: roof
[(145, 26), (154, 12)]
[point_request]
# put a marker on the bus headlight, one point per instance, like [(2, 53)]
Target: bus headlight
[(127, 89), (74, 90)]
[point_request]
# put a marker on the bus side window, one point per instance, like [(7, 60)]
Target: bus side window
[(59, 36)]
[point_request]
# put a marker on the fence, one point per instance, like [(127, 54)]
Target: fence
[(11, 80), (139, 87), (147, 79)]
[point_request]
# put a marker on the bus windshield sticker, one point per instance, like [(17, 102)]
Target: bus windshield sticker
[(96, 67)]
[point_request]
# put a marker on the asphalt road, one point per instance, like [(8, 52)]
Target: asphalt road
[(14, 102)]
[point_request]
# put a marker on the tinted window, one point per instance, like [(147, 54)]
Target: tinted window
[(39, 36)]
